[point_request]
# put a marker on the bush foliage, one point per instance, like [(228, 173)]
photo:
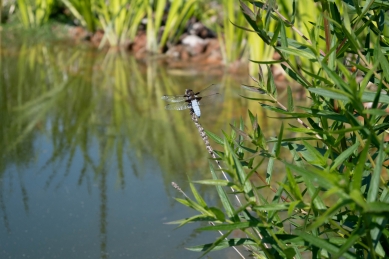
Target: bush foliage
[(333, 200)]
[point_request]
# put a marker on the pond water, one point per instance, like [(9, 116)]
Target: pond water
[(88, 153)]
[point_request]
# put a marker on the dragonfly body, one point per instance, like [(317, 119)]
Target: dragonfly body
[(190, 100), (194, 101)]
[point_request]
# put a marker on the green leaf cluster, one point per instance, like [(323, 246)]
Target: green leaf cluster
[(330, 197)]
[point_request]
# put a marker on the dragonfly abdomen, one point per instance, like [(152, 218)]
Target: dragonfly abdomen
[(196, 108)]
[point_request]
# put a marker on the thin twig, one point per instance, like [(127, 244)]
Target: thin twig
[(179, 189), (213, 154), (210, 149)]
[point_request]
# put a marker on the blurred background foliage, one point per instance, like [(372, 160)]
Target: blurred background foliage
[(164, 22)]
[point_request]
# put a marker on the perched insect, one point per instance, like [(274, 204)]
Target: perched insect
[(190, 100)]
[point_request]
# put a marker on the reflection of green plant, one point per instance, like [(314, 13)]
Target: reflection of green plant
[(34, 13), (333, 198), (85, 98)]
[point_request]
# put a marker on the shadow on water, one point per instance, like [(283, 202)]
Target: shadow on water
[(103, 123)]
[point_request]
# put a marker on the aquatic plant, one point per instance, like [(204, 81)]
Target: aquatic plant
[(177, 16), (83, 12), (119, 18), (33, 13)]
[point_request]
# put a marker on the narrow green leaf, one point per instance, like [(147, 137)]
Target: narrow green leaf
[(338, 81), (324, 244), (247, 187), (270, 167), (218, 214), (331, 93), (271, 85), (319, 177), (293, 185), (380, 223), (194, 205), (293, 206), (216, 243), (284, 38), (247, 10), (315, 157), (295, 76), (350, 242), (232, 226), (319, 221), (253, 89), (214, 137), (258, 99), (224, 244), (264, 62), (276, 206), (375, 179), (228, 207), (213, 182), (351, 39), (197, 196), (196, 218), (280, 136), (377, 208), (305, 53), (344, 155), (377, 112), (290, 99), (277, 30)]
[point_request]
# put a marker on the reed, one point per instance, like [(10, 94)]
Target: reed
[(177, 16), (119, 19), (232, 39), (83, 12), (34, 13)]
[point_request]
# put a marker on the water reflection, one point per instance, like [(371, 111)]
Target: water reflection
[(87, 142)]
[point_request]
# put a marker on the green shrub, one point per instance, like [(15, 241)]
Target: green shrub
[(333, 200)]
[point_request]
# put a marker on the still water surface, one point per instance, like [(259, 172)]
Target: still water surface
[(88, 153)]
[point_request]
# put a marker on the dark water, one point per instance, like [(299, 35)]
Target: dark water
[(88, 153)]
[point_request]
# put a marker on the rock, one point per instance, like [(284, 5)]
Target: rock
[(78, 33), (212, 45), (199, 29), (139, 43), (97, 37), (174, 51), (194, 44)]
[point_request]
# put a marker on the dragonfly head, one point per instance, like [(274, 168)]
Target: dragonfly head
[(189, 92)]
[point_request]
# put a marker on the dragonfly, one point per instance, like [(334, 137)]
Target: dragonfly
[(190, 100)]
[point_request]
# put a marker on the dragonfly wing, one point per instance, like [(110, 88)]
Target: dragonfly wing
[(208, 89), (178, 106), (174, 98), (209, 99)]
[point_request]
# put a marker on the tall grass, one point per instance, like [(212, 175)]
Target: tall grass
[(34, 13), (179, 13), (83, 12), (155, 13), (118, 18)]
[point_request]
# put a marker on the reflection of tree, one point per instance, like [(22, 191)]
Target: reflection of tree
[(103, 215), (5, 214)]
